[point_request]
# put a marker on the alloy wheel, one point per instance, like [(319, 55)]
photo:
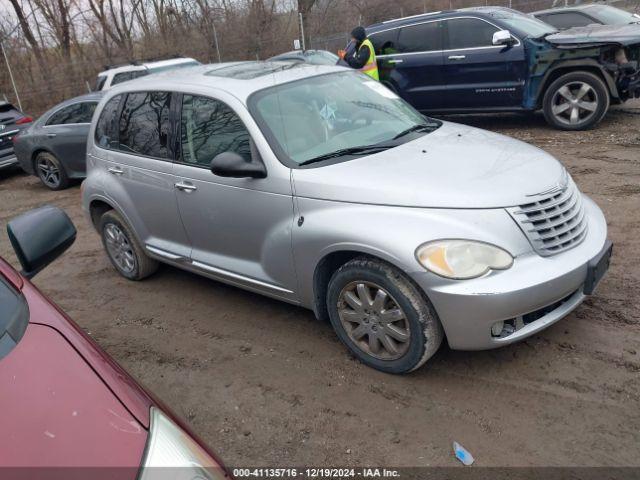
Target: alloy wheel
[(373, 320), (49, 172), (574, 103), (119, 248)]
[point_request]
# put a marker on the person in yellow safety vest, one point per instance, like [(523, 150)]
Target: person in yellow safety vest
[(362, 56)]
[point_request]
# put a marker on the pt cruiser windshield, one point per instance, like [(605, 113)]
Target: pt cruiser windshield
[(335, 116)]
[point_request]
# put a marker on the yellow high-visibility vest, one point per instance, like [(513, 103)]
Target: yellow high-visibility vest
[(371, 67)]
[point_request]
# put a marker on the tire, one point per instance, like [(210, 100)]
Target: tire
[(420, 325), (50, 171), (123, 249), (558, 106)]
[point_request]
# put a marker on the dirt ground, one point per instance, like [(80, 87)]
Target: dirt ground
[(266, 384)]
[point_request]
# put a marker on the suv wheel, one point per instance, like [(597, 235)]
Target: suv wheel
[(382, 317), (124, 251), (51, 172), (576, 101)]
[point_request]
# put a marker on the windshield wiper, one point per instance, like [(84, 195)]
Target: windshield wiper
[(362, 150), (416, 128)]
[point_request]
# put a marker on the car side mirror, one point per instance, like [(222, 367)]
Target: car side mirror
[(231, 164), (502, 37), (40, 236)]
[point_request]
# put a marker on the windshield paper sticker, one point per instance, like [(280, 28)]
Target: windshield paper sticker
[(381, 89)]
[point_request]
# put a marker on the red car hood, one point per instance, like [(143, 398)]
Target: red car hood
[(57, 412)]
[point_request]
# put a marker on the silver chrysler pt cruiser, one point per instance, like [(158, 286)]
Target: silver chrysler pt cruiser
[(318, 186)]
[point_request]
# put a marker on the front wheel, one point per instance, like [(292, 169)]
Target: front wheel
[(382, 317), (576, 101)]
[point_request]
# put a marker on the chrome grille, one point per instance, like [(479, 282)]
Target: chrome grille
[(555, 221)]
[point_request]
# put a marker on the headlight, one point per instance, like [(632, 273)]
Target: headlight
[(461, 259), (171, 454)]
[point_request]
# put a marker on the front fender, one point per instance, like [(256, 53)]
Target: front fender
[(390, 233)]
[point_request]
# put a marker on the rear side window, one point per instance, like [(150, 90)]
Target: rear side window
[(424, 37), (125, 76), (209, 127), (76, 113), (567, 20), (14, 317), (107, 127), (469, 33), (385, 43), (144, 124), (100, 82)]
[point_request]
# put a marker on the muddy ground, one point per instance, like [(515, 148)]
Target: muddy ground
[(264, 383)]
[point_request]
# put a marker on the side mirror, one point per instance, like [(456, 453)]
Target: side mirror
[(231, 164), (40, 236), (502, 37)]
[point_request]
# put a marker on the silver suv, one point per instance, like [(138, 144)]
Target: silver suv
[(318, 186)]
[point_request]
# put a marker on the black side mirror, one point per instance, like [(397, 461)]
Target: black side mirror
[(231, 164), (40, 236)]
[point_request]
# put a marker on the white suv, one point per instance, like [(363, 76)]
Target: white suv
[(116, 75)]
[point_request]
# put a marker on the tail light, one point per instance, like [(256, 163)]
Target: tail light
[(24, 120)]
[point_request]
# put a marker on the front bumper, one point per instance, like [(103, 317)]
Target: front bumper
[(546, 288)]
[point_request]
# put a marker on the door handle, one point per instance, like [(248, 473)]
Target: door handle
[(51, 135), (394, 61), (457, 57), (185, 187), (115, 170)]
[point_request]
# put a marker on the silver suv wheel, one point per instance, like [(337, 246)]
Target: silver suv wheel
[(119, 248), (382, 316), (373, 320)]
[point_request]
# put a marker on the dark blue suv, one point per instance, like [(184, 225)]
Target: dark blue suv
[(494, 59)]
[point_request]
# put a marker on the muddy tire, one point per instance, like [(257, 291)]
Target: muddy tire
[(50, 171), (382, 317), (576, 101), (123, 249)]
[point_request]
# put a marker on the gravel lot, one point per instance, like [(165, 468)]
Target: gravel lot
[(266, 384)]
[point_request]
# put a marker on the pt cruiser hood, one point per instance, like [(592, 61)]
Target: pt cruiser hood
[(453, 167)]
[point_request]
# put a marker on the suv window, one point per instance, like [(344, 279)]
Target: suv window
[(76, 113), (424, 37), (385, 43), (469, 33), (568, 20), (208, 128), (14, 317), (100, 82), (106, 135), (144, 124), (125, 76)]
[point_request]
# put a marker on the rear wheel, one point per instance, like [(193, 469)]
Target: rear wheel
[(382, 317), (576, 101), (51, 172), (123, 249)]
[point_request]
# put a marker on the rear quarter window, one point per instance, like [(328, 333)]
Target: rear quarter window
[(106, 135)]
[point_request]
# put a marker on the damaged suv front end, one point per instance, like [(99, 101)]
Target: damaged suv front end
[(611, 49)]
